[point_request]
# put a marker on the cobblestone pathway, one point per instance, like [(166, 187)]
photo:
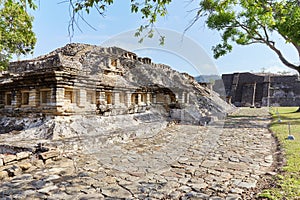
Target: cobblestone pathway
[(181, 162)]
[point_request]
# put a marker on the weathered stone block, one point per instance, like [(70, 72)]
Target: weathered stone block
[(49, 154), (115, 191), (25, 166), (38, 163), (3, 175), (49, 161), (47, 190), (14, 170), (176, 114), (9, 158), (23, 155), (1, 162)]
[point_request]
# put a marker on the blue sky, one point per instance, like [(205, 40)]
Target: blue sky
[(52, 20)]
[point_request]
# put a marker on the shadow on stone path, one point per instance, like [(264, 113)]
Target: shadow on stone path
[(180, 162)]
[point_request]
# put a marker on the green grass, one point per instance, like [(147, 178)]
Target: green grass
[(288, 182)]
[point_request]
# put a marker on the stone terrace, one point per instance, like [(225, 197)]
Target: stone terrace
[(180, 162)]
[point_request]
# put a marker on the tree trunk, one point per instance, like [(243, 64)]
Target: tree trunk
[(298, 110)]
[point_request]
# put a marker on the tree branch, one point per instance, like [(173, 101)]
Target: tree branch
[(266, 32), (282, 58), (246, 28), (255, 42), (297, 47), (293, 43)]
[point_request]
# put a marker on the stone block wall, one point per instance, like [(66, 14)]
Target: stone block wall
[(269, 90), (248, 95)]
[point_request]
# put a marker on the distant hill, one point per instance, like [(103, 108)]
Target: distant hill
[(207, 78)]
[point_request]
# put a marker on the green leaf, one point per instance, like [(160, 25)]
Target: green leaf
[(16, 34)]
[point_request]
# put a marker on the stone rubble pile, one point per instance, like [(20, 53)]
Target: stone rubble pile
[(61, 127), (15, 163)]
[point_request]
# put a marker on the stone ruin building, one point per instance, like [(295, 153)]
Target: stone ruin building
[(61, 83), (80, 78), (248, 89)]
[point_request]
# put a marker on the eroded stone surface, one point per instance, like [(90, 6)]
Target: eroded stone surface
[(179, 162)]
